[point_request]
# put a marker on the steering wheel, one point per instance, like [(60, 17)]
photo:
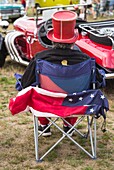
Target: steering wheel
[(48, 25), (42, 32)]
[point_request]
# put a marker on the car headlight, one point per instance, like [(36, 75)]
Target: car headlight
[(4, 24)]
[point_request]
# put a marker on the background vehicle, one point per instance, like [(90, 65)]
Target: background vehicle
[(29, 37), (10, 10), (97, 40), (48, 3), (22, 43), (3, 50)]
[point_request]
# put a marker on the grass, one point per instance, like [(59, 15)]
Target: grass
[(17, 138)]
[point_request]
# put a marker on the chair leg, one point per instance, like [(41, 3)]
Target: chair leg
[(36, 137), (95, 140), (77, 122), (35, 120), (92, 135), (92, 141), (47, 127), (66, 134), (91, 122)]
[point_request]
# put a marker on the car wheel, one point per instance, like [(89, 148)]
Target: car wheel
[(3, 54)]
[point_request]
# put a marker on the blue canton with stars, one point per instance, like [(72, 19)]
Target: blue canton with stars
[(95, 101)]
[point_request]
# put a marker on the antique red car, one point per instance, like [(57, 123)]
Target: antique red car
[(97, 40), (29, 37), (23, 43)]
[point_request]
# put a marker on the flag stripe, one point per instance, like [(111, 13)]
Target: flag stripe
[(59, 104)]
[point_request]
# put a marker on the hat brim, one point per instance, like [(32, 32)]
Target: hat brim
[(50, 36)]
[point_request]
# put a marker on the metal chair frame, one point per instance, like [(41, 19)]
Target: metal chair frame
[(91, 126)]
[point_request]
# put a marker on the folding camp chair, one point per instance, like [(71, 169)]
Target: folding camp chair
[(68, 80), (64, 91)]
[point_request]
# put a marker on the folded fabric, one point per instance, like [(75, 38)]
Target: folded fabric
[(59, 104)]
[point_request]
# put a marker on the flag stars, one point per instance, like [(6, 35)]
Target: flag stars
[(92, 96), (80, 98), (84, 91), (91, 110), (102, 97), (70, 100)]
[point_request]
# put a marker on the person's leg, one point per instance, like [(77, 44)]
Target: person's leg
[(43, 125), (23, 2), (33, 6), (111, 4), (67, 127), (27, 6), (43, 121), (94, 10), (70, 120)]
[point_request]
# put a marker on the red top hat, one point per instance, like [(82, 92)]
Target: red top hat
[(63, 27)]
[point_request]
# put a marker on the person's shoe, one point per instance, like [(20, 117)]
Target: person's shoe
[(67, 128), (41, 129)]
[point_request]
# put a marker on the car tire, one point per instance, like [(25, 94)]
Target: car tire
[(3, 54)]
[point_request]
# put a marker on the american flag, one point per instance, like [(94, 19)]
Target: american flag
[(59, 104)]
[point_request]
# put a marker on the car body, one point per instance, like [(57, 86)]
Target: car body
[(22, 43), (29, 37), (48, 3), (10, 10), (3, 50), (97, 40)]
